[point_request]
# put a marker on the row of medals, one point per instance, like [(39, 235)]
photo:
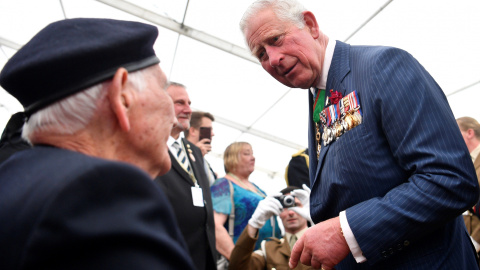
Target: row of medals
[(350, 117), (339, 127)]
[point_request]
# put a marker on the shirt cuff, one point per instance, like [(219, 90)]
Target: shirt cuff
[(351, 241)]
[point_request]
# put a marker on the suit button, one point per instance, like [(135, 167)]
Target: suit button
[(390, 250), (384, 254), (406, 243), (399, 247)]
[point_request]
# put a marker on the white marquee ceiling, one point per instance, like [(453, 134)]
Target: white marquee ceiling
[(200, 45)]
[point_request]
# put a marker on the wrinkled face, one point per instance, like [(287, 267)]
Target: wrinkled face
[(181, 103), (246, 161), (286, 52), (292, 221), (153, 120)]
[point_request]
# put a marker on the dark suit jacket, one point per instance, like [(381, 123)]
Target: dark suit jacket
[(404, 176), (196, 223), (60, 209)]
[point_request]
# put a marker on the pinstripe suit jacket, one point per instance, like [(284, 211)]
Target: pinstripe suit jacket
[(404, 176)]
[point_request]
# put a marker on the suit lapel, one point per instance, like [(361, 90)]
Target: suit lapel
[(192, 159), (285, 249), (179, 169), (339, 68)]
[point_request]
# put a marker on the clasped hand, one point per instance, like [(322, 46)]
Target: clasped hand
[(321, 246)]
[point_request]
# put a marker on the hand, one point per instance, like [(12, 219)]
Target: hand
[(204, 145), (303, 195), (321, 246), (265, 210), (304, 212)]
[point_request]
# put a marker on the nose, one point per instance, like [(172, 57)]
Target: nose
[(274, 56), (187, 109)]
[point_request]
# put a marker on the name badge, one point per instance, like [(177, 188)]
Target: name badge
[(197, 196)]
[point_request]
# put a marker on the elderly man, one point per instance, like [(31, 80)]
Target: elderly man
[(187, 187), (389, 172), (98, 120), (274, 253)]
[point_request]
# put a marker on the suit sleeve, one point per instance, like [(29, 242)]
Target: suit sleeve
[(243, 257), (420, 130), (112, 217)]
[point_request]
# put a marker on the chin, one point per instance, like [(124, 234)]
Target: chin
[(165, 166)]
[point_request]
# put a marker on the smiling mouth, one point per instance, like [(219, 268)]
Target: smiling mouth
[(289, 70)]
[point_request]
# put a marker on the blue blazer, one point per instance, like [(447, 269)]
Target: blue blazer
[(404, 176), (64, 210)]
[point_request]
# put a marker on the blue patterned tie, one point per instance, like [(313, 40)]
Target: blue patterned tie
[(182, 158)]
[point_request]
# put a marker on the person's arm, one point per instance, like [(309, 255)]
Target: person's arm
[(223, 241), (243, 255)]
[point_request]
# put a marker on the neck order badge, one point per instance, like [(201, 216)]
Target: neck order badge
[(317, 109)]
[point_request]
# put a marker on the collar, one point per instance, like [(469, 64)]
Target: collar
[(327, 61), (170, 142), (298, 234), (475, 153)]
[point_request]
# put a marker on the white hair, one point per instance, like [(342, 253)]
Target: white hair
[(285, 10), (73, 113)]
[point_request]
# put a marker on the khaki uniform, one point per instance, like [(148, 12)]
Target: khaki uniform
[(472, 222), (277, 255)]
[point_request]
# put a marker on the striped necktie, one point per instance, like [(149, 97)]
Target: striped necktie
[(182, 158)]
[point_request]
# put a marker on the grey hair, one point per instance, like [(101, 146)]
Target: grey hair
[(285, 10), (75, 112)]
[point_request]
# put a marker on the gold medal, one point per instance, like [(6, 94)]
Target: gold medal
[(350, 121), (338, 129)]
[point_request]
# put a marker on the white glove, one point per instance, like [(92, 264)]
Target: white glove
[(303, 196), (265, 210)]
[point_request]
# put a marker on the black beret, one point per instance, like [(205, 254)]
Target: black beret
[(71, 55)]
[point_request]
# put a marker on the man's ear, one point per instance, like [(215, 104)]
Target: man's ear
[(120, 98), (311, 24), (470, 133), (192, 131)]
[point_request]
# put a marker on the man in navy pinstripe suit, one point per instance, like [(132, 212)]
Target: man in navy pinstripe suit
[(391, 175)]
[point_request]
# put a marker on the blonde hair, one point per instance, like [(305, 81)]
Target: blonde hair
[(231, 155), (466, 123)]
